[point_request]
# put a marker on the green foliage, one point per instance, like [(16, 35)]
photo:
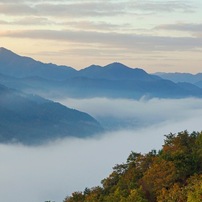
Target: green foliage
[(174, 174), (174, 193), (181, 150), (195, 189), (158, 176)]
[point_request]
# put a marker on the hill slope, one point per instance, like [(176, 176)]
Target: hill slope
[(31, 119)]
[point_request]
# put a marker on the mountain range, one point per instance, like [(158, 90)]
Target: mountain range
[(113, 80), (177, 77), (17, 66), (27, 117)]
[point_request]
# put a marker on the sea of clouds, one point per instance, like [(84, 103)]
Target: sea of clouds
[(56, 169)]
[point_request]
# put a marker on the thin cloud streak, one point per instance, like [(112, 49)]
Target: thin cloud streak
[(164, 6), (17, 9), (91, 8), (28, 21), (190, 27), (131, 41)]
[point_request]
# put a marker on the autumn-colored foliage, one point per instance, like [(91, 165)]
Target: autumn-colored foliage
[(174, 174)]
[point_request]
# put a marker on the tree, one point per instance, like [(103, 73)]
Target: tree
[(194, 189), (76, 197), (171, 175), (176, 193), (181, 150), (136, 195), (157, 177)]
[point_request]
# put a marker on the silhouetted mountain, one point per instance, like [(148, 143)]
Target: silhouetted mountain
[(113, 80), (31, 119), (17, 66), (181, 77), (133, 89), (119, 81), (114, 71)]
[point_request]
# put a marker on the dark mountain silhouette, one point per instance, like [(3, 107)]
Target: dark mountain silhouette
[(113, 80), (31, 119), (133, 89), (17, 66), (114, 71)]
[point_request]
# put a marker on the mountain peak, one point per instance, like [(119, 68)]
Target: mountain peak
[(93, 66), (121, 67), (114, 71), (14, 65), (6, 53), (4, 50), (116, 65)]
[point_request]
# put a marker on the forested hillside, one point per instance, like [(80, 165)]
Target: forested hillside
[(173, 174), (30, 119)]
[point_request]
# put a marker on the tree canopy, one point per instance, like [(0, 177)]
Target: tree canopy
[(172, 174)]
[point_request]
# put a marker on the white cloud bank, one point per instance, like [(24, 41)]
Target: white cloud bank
[(142, 112), (52, 171)]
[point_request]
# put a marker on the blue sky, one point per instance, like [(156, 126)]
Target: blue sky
[(155, 35)]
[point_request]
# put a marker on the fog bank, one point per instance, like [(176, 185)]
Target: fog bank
[(54, 170), (122, 113)]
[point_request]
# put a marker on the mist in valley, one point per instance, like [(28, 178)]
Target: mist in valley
[(56, 169), (136, 114)]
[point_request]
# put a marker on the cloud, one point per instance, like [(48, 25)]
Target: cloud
[(91, 8), (28, 21), (17, 9), (71, 24), (114, 39), (79, 9), (162, 6), (54, 170), (137, 113), (191, 27), (185, 27), (98, 25), (2, 22), (62, 8)]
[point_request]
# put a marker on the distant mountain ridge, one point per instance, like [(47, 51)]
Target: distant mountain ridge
[(176, 77), (114, 71), (17, 66), (114, 80), (28, 118)]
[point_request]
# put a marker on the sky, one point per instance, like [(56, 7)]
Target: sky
[(156, 35)]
